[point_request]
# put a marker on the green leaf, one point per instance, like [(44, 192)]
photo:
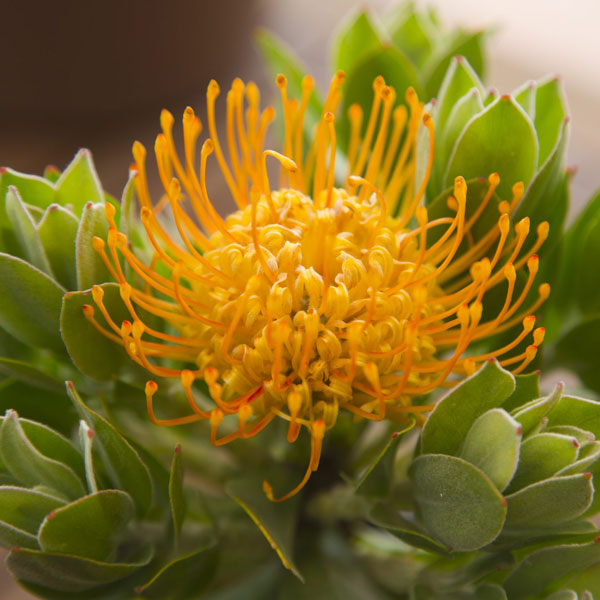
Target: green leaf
[(34, 190), (550, 113), (26, 232), (89, 265), (545, 199), (525, 96), (578, 412), (413, 33), (543, 455), (89, 527), (582, 436), (69, 573), (463, 111), (184, 577), (125, 468), (30, 374), (29, 465), (13, 537), (563, 595), (277, 522), (459, 504), (550, 502), (25, 509), (460, 79), (527, 388), (390, 519), (586, 224), (57, 231), (79, 184), (86, 437), (468, 45), (543, 567), (51, 444), (356, 38), (533, 412), (30, 304), (454, 414), (492, 444), (578, 349), (377, 479), (93, 353), (502, 140), (490, 591), (588, 455), (176, 492)]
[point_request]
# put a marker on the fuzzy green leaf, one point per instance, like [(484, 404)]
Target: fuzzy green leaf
[(89, 265), (502, 140), (93, 354), (454, 414), (459, 504), (67, 573), (24, 508), (413, 33), (32, 467), (550, 112), (543, 567), (78, 184), (89, 527), (30, 374), (525, 96), (277, 522), (125, 468), (578, 412), (527, 388), (550, 502), (26, 232), (52, 444), (34, 190), (492, 444), (30, 304), (543, 455), (57, 231), (533, 412)]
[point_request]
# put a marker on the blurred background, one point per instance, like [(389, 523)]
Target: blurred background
[(96, 74)]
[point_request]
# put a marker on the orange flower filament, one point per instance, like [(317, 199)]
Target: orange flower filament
[(311, 298)]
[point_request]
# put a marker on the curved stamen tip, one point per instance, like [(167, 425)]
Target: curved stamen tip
[(213, 89), (151, 388), (281, 80), (138, 151), (97, 294), (329, 117), (88, 311), (166, 119)]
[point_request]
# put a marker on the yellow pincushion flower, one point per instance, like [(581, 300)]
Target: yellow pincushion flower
[(312, 298)]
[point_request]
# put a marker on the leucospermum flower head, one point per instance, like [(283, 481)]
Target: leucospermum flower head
[(313, 298)]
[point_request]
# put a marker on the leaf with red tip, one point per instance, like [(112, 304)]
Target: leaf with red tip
[(78, 184), (90, 527), (550, 502), (125, 469)]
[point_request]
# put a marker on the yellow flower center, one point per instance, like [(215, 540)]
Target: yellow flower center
[(296, 305)]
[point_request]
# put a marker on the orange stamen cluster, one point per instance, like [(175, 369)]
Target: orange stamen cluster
[(297, 306)]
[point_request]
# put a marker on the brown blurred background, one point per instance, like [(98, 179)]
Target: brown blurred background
[(96, 74)]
